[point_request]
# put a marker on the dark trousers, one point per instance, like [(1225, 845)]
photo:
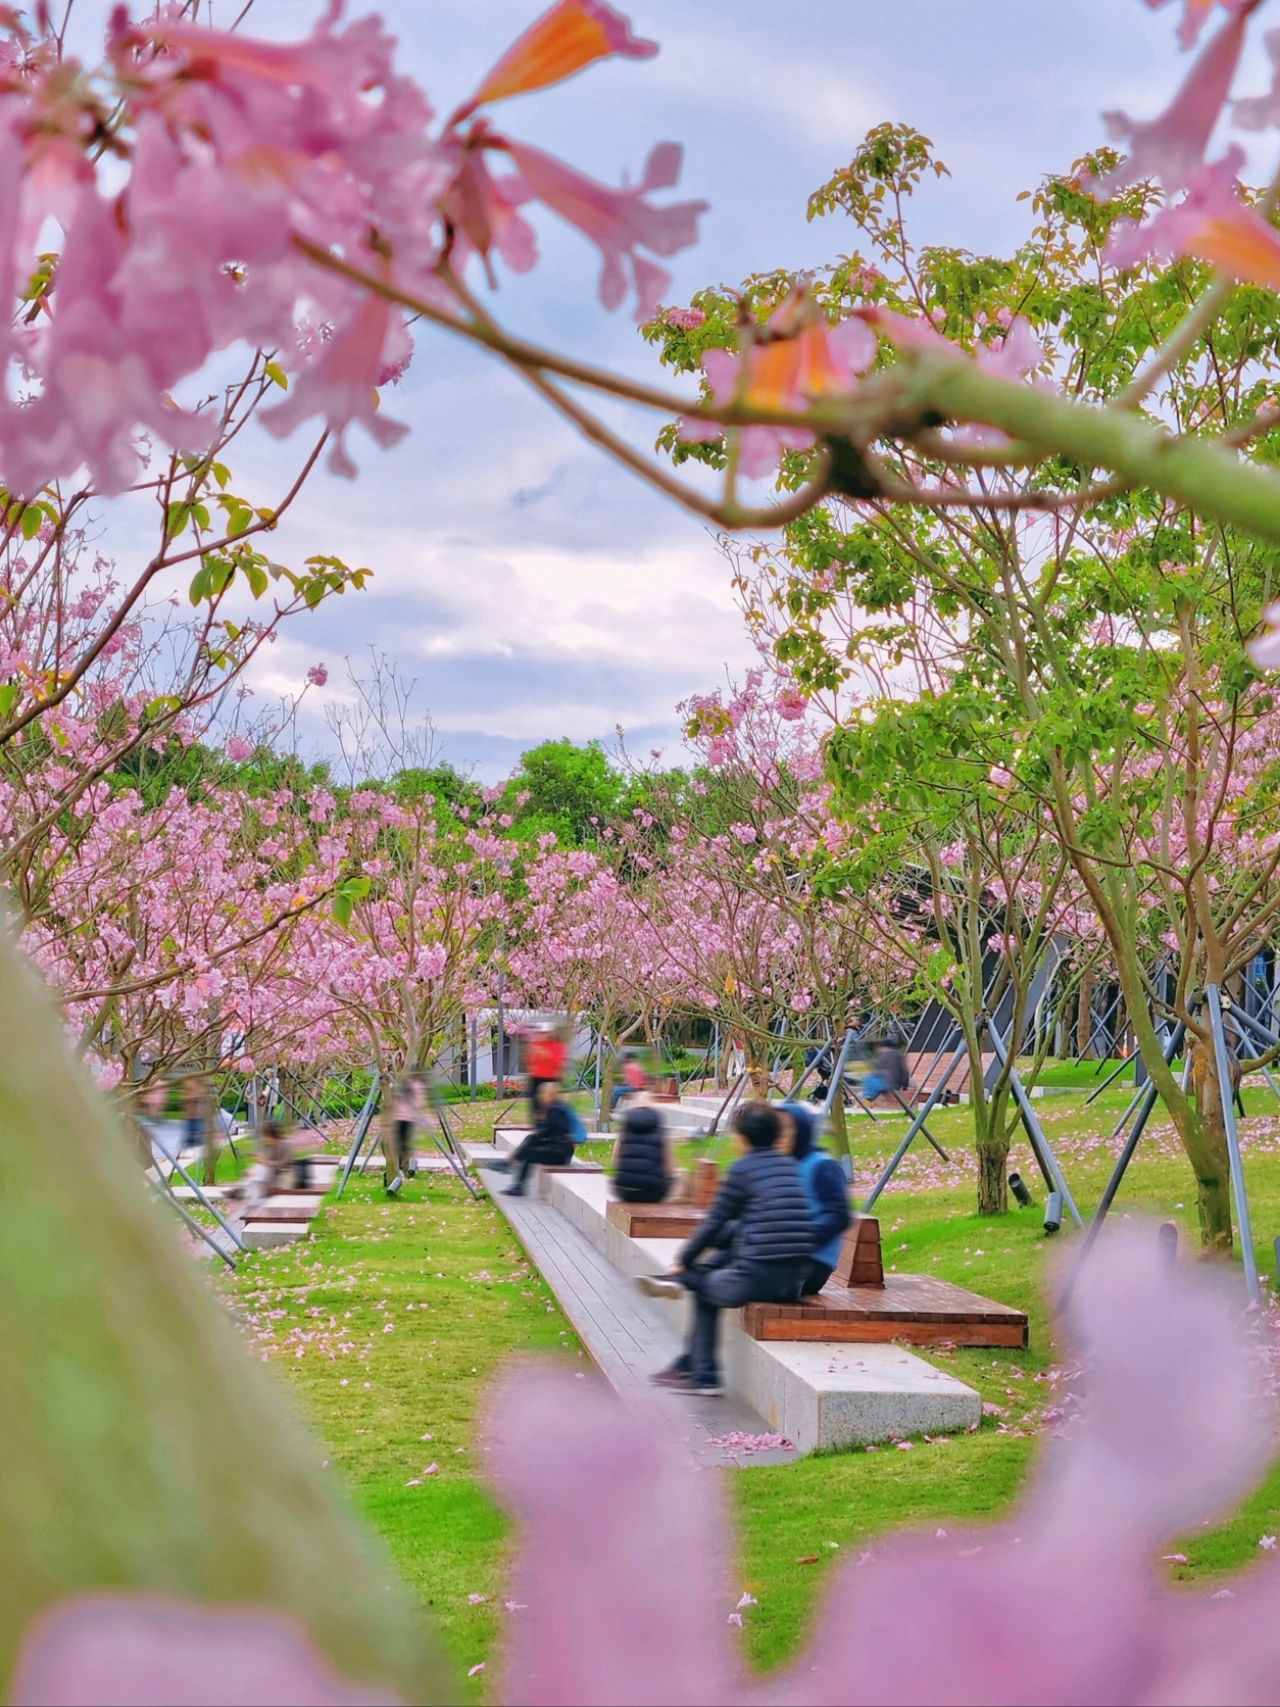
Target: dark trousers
[(643, 1193), (404, 1147), (819, 1273), (727, 1286), (536, 1151)]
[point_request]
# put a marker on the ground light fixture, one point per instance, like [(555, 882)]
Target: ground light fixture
[(1167, 1235), (1017, 1185), (1053, 1212)]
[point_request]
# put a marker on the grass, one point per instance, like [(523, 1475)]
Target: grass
[(390, 1322)]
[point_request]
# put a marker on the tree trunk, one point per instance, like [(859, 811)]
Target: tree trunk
[(840, 1128), (1206, 1145), (1084, 1010), (993, 1183)]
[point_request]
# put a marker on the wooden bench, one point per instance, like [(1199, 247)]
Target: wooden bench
[(860, 1304), (655, 1220)]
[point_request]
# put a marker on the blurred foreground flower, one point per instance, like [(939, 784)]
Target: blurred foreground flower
[(138, 1650), (1063, 1603)]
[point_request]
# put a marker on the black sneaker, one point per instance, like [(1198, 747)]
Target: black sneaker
[(514, 1191), (676, 1379), (712, 1389)]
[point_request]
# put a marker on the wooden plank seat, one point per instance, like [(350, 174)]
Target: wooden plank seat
[(860, 1304), (655, 1220), (917, 1309)]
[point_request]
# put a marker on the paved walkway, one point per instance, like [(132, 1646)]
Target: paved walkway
[(625, 1334)]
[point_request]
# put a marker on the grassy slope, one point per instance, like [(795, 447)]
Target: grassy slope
[(447, 1277)]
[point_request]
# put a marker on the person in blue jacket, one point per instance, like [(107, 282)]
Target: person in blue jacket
[(825, 1188)]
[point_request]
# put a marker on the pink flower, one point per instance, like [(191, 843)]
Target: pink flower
[(1195, 14), (609, 1505), (1265, 650), (619, 222), (1172, 146), (238, 749), (1262, 112), (1000, 777), (146, 1650), (340, 382), (685, 319), (317, 675), (798, 359)]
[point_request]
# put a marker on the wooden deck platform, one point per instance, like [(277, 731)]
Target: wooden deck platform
[(915, 1309)]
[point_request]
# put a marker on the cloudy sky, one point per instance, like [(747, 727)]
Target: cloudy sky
[(530, 588)]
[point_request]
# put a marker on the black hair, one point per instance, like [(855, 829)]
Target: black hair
[(806, 1125), (758, 1123)]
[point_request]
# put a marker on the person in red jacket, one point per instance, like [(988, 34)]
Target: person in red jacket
[(544, 1060)]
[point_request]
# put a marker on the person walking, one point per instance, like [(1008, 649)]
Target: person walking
[(643, 1166), (551, 1141), (761, 1230), (888, 1072), (634, 1079), (826, 1191), (545, 1059), (399, 1151)]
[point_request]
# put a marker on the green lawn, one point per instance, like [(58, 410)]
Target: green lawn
[(389, 1323)]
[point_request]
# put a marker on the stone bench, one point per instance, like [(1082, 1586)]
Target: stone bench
[(819, 1393)]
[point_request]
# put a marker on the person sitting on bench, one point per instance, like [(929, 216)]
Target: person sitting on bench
[(888, 1072), (550, 1144), (642, 1164), (825, 1188), (762, 1200)]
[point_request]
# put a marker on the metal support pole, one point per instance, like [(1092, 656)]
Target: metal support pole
[(1111, 1076), (194, 1225), (204, 1202), (1040, 1145), (598, 1105), (1126, 1155), (1214, 998), (917, 1125), (1240, 1019), (835, 1088), (364, 1124)]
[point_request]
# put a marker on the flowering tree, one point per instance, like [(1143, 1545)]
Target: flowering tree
[(1096, 655)]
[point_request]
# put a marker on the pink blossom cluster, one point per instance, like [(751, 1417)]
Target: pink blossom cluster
[(242, 185)]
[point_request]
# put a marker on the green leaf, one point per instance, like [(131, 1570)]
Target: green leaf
[(256, 576), (342, 905), (275, 372), (199, 585), (176, 518), (32, 517), (10, 694)]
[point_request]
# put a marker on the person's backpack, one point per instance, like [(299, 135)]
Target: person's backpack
[(577, 1131)]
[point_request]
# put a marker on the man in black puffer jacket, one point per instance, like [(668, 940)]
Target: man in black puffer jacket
[(761, 1218)]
